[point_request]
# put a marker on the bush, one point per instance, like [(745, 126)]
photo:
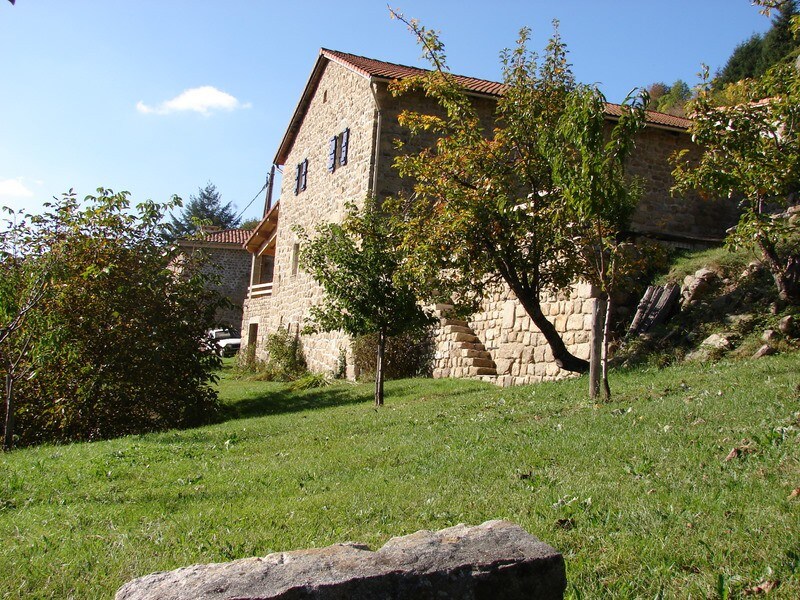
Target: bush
[(407, 355), (116, 343), (285, 359)]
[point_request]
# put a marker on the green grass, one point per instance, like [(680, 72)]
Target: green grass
[(687, 262), (637, 493)]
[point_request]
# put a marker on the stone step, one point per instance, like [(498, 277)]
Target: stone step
[(483, 362), (458, 329), (469, 338), (458, 322), (474, 353), (476, 345), (482, 371)]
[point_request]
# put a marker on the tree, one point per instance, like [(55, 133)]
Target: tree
[(751, 151), (249, 224), (755, 56), (205, 208), (356, 264), (488, 208), (115, 346), (675, 99), (588, 170)]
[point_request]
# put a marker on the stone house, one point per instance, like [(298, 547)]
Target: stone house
[(339, 147), (230, 262)]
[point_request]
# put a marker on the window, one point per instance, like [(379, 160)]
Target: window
[(337, 150), (300, 177)]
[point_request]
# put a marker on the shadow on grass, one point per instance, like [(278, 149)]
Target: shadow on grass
[(283, 401)]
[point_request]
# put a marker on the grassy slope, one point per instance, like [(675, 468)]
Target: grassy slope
[(636, 494)]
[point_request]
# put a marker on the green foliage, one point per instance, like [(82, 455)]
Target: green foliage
[(285, 358), (249, 224), (357, 264), (205, 208), (506, 205), (408, 354), (115, 344), (751, 151), (674, 100), (754, 57)]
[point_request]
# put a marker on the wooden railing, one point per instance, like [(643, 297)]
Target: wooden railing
[(259, 290)]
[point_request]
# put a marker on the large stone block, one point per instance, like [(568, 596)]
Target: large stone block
[(495, 560)]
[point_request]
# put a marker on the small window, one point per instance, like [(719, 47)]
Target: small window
[(295, 258), (301, 177)]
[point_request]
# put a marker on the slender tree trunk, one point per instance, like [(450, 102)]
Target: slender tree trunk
[(606, 337), (8, 428), (563, 357), (379, 368), (596, 356)]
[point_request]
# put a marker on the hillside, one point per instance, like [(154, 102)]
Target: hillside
[(685, 485)]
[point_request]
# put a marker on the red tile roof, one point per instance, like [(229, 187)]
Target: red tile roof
[(378, 69), (229, 236), (370, 67), (233, 237)]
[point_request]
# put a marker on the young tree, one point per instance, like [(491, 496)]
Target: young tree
[(356, 264), (115, 343), (488, 208), (205, 208), (588, 169), (751, 151)]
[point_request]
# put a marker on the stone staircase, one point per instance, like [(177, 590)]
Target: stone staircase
[(459, 352)]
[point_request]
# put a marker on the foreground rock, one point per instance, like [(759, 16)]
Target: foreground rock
[(495, 560)]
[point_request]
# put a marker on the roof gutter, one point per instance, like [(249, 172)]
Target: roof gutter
[(378, 121)]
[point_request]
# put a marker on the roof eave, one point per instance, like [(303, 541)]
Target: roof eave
[(261, 232)]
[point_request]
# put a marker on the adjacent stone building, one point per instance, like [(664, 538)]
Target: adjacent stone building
[(339, 147), (230, 263)]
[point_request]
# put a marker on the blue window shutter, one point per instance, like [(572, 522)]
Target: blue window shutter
[(303, 174), (332, 154), (345, 140), (297, 178)]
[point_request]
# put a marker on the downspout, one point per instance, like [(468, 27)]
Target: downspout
[(376, 158)]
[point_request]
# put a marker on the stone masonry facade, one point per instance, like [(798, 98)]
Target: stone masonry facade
[(230, 265), (499, 343), (343, 101)]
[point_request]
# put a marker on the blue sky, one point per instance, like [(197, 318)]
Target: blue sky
[(158, 97)]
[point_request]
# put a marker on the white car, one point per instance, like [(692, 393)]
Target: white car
[(225, 341)]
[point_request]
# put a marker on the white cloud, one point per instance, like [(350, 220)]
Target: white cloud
[(204, 100), (14, 188)]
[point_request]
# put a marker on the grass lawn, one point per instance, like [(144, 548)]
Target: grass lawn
[(637, 494)]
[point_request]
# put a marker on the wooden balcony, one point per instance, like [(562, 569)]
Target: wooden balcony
[(260, 290)]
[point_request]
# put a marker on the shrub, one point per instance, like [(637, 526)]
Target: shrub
[(116, 345), (285, 359), (407, 355)]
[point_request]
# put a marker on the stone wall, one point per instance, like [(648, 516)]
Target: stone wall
[(342, 100), (232, 266), (659, 214), (517, 348)]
